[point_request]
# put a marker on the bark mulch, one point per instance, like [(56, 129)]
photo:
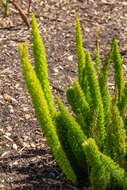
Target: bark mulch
[(26, 161)]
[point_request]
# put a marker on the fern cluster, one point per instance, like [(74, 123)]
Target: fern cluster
[(93, 141)]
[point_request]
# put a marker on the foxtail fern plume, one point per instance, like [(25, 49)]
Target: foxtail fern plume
[(93, 131), (80, 51), (123, 104), (80, 106), (73, 137), (41, 66), (100, 176), (108, 168), (43, 114), (103, 83), (117, 134), (82, 75), (119, 73), (96, 97)]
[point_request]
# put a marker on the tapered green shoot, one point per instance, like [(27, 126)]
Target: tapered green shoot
[(41, 66), (82, 76), (103, 83), (80, 51), (100, 176), (108, 168), (93, 131), (73, 137), (42, 111), (117, 136), (96, 97), (80, 107), (123, 104), (119, 73)]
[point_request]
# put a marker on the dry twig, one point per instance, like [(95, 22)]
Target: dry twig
[(21, 12)]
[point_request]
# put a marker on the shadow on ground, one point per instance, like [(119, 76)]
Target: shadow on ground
[(42, 174)]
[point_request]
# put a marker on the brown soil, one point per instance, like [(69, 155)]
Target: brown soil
[(26, 161)]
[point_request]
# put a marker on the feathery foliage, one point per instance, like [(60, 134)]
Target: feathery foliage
[(123, 103), (73, 136), (96, 98), (42, 111), (119, 73), (41, 66), (80, 51), (117, 134), (103, 83), (93, 136), (108, 168), (80, 106)]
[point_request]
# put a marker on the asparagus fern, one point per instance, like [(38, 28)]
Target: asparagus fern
[(94, 136), (43, 114)]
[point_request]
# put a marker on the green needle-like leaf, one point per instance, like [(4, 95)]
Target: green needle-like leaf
[(43, 114)]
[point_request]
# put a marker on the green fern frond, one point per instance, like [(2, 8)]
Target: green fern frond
[(86, 88), (71, 97), (80, 51), (82, 76), (96, 96), (80, 107), (42, 112), (103, 83), (100, 176), (41, 66), (123, 104), (118, 136), (119, 73), (107, 167), (93, 131), (73, 136)]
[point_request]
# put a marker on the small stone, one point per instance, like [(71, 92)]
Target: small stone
[(8, 134), (27, 116), (5, 153), (15, 146), (11, 111), (16, 86), (1, 97), (26, 145), (70, 58), (26, 138), (9, 128), (7, 97), (2, 132), (55, 70), (15, 163), (25, 109), (33, 145), (124, 66), (13, 100), (33, 159)]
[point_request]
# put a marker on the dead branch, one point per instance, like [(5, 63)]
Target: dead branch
[(21, 12)]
